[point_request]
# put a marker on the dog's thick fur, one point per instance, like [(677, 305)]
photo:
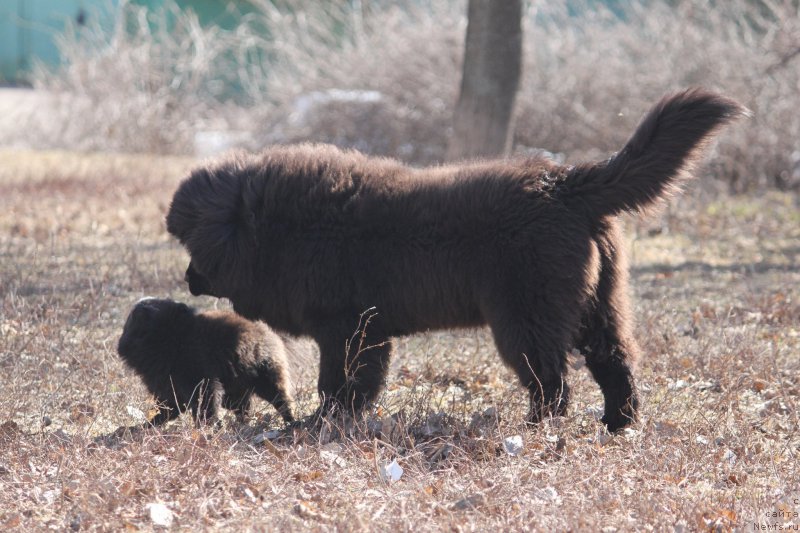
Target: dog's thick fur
[(188, 359), (308, 237)]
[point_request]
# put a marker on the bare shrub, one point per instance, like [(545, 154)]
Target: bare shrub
[(590, 77), (385, 79), (407, 56), (146, 83)]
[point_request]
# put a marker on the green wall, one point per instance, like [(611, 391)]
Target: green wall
[(28, 27), (222, 13), (27, 30)]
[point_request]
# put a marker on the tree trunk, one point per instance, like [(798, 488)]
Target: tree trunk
[(482, 124)]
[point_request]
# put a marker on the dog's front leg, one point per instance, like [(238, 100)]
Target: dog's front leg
[(354, 360)]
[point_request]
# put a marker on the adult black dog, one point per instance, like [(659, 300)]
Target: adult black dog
[(308, 237)]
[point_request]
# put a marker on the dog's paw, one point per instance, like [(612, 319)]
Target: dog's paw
[(618, 419)]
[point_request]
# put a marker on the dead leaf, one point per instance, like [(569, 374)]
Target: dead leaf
[(434, 488), (274, 450), (81, 412), (308, 476), (12, 522), (736, 479), (470, 502), (759, 385), (307, 510), (127, 489)]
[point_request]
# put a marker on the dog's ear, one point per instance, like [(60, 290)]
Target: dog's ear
[(223, 250), (146, 308), (212, 218), (141, 319)]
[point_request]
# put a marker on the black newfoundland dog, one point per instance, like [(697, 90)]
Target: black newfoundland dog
[(309, 237), (190, 360)]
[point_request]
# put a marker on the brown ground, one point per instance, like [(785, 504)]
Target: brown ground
[(716, 284)]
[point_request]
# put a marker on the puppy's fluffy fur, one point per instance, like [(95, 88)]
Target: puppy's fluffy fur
[(308, 237), (189, 360)]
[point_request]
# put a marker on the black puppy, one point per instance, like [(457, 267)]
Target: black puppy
[(189, 359)]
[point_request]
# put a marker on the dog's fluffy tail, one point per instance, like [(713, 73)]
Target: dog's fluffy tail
[(656, 159)]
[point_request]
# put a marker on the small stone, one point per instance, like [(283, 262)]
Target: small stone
[(160, 514), (513, 445), (391, 472)]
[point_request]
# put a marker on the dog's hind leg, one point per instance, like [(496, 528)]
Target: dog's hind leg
[(534, 307), (534, 342), (605, 337), (540, 363)]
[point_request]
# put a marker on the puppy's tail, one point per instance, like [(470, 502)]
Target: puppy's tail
[(656, 159)]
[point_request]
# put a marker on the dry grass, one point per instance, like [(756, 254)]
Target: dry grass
[(588, 78), (716, 286)]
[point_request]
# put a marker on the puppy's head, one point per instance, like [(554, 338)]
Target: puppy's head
[(151, 326)]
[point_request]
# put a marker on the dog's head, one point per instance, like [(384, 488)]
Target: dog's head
[(151, 325), (199, 285), (211, 216)]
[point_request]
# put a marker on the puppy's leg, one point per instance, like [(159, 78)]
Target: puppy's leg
[(205, 398), (606, 338), (170, 400), (354, 360), (274, 388), (237, 400), (167, 410), (283, 402)]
